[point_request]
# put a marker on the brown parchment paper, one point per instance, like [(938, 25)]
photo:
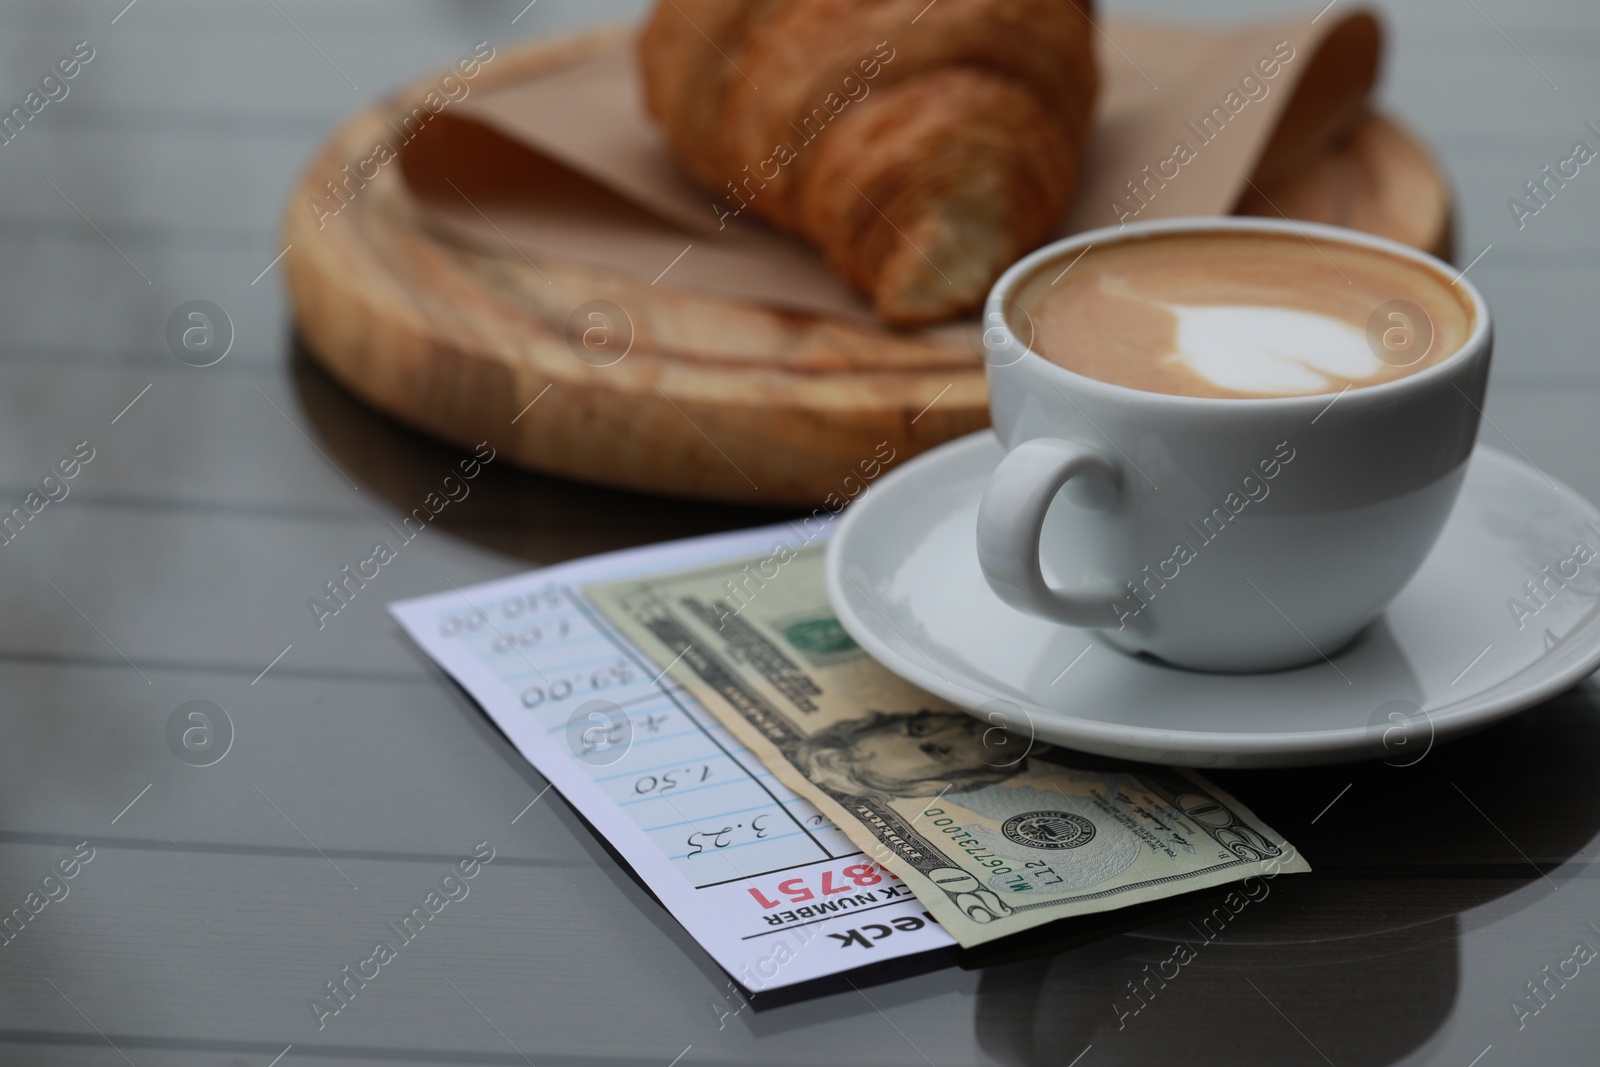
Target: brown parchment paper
[(1187, 118)]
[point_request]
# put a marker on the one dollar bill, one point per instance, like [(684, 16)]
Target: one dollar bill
[(994, 831)]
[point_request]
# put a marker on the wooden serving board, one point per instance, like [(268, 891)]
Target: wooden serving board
[(715, 399)]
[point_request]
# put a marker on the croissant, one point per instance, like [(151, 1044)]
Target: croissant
[(921, 147)]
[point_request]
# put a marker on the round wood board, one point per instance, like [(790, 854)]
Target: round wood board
[(716, 399)]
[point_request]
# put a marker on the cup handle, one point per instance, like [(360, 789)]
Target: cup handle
[(1011, 521)]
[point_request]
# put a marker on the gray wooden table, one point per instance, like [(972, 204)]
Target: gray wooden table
[(219, 899)]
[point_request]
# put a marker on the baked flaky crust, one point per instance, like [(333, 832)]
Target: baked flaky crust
[(921, 148)]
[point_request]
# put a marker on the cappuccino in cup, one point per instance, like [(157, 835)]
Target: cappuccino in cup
[(1229, 442), (1241, 314)]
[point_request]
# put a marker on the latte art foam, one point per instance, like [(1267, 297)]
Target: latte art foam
[(1272, 351), (1239, 315)]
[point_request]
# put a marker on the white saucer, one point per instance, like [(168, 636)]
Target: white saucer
[(902, 575)]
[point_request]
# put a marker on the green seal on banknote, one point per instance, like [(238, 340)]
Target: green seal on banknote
[(819, 637)]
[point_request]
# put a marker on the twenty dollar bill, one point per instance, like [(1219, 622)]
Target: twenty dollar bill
[(995, 832)]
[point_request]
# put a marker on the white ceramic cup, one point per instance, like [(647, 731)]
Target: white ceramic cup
[(1218, 534)]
